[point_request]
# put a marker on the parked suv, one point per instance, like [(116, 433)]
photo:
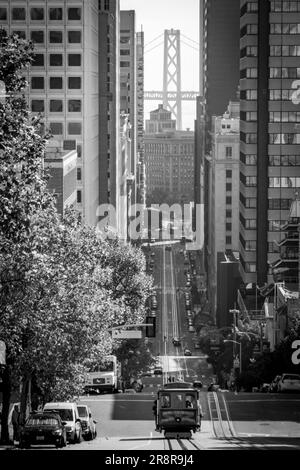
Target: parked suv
[(69, 413), (43, 428), (88, 424)]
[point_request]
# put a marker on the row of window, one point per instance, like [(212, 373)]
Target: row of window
[(274, 138), (273, 225), (273, 204), (250, 245), (73, 128), (285, 6), (274, 116), (57, 60), (281, 94), (287, 138), (249, 7), (284, 116), (274, 160), (285, 28), (291, 50), (249, 51), (55, 83), (284, 72), (54, 36), (275, 72), (284, 160), (38, 14), (284, 182), (56, 106)]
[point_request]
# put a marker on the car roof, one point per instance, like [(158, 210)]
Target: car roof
[(63, 405)]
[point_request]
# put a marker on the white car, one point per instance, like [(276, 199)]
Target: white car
[(289, 383)]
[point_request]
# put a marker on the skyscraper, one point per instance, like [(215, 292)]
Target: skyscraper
[(270, 133), (219, 77), (128, 84), (63, 80)]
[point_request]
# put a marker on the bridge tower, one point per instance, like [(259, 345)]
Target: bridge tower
[(172, 74)]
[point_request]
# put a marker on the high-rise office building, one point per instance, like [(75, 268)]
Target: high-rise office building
[(219, 75), (223, 207), (63, 80), (270, 130), (128, 83), (141, 183), (112, 168)]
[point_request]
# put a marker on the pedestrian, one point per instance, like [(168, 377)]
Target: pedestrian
[(15, 421)]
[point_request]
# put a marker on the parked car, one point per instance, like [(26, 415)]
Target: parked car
[(45, 428), (176, 342), (274, 384), (187, 352), (88, 424), (289, 383), (69, 413)]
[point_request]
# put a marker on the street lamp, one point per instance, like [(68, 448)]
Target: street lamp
[(237, 342)]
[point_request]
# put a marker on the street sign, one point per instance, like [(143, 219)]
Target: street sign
[(2, 353), (126, 334)]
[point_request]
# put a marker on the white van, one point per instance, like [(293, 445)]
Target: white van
[(69, 413)]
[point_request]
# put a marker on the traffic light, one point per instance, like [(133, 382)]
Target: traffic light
[(150, 330)]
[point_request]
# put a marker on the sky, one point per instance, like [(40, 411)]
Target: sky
[(153, 17)]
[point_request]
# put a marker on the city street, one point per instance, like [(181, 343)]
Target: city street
[(244, 421)]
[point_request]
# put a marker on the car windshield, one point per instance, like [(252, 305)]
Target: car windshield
[(82, 411), (65, 414), (42, 421)]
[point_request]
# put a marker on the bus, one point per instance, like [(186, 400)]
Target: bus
[(104, 377)]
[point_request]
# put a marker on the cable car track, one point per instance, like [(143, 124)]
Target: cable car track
[(182, 444)]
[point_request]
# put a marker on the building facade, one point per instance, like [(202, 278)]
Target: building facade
[(63, 80), (61, 168), (112, 171), (141, 181), (219, 23), (270, 136), (223, 190), (169, 160), (128, 83)]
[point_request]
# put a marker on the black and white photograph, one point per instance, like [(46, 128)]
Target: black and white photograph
[(149, 229)]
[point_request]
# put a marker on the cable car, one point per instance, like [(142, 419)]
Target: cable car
[(178, 410)]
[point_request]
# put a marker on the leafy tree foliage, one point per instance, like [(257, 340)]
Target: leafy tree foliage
[(135, 357), (62, 286)]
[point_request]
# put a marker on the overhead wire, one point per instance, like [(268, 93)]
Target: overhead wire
[(154, 47)]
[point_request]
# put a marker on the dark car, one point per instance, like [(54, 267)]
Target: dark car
[(176, 342), (158, 371), (88, 424), (198, 384), (43, 428)]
